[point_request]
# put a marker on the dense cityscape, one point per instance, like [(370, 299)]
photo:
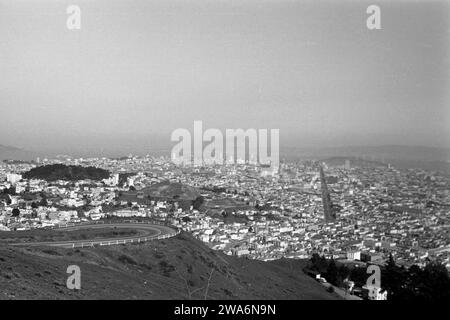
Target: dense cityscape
[(249, 210), (240, 155)]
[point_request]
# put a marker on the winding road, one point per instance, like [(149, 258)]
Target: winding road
[(149, 232)]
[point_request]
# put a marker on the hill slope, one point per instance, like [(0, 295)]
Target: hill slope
[(428, 158), (353, 161), (176, 268), (170, 191), (7, 153)]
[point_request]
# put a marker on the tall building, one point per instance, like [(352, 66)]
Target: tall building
[(115, 179), (347, 164)]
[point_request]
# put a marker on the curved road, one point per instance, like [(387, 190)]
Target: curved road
[(150, 232)]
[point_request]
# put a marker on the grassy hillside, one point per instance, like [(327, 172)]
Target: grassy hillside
[(170, 191), (176, 268)]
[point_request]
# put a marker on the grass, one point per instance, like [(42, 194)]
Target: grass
[(177, 268)]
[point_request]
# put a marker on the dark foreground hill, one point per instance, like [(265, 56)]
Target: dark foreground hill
[(176, 268)]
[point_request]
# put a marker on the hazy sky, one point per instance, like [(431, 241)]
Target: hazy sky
[(137, 70)]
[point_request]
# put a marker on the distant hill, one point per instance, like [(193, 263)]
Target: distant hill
[(63, 172), (13, 153), (175, 268), (353, 161), (428, 158), (416, 153)]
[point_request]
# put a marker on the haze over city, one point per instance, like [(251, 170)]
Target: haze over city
[(135, 72), (245, 154)]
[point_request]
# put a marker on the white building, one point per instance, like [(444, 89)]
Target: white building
[(354, 255), (13, 178), (375, 293)]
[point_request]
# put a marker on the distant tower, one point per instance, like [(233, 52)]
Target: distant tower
[(347, 164)]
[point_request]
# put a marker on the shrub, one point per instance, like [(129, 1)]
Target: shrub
[(127, 259)]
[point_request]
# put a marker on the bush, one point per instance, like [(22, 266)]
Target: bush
[(127, 259), (166, 268)]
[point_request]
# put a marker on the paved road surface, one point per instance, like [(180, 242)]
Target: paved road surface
[(149, 232)]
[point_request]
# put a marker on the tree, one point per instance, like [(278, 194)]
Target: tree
[(15, 212), (344, 272), (197, 203), (315, 260), (394, 279), (319, 263), (332, 274), (359, 276), (186, 219), (11, 190), (43, 202), (415, 283), (434, 282)]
